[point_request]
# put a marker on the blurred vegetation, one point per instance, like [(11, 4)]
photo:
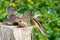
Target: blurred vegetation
[(48, 11)]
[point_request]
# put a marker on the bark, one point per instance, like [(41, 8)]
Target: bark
[(13, 33)]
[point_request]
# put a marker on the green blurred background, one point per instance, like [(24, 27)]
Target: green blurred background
[(46, 10)]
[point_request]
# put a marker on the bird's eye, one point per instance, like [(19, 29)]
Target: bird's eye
[(15, 23)]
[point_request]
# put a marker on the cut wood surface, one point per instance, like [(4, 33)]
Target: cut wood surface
[(13, 33)]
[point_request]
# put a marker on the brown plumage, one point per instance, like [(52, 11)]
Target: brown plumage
[(22, 21), (16, 20)]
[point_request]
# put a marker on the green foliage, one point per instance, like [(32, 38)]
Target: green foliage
[(48, 10)]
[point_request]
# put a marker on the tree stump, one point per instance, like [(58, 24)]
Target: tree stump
[(13, 33)]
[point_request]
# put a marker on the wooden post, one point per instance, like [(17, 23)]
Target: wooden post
[(13, 33)]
